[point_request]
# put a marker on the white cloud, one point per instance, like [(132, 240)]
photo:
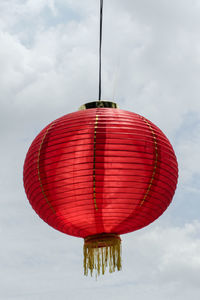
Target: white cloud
[(162, 261)]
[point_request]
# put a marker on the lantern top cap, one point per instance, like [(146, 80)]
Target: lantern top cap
[(99, 104)]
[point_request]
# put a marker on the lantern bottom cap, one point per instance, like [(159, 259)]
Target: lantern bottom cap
[(102, 251)]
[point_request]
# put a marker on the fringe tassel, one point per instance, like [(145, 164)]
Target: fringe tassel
[(100, 252)]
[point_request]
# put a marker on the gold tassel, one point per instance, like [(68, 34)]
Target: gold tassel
[(102, 251)]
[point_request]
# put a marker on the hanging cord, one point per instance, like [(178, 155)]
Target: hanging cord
[(100, 46)]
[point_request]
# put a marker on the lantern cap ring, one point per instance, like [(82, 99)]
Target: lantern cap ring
[(99, 104)]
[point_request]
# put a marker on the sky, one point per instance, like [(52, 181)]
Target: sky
[(48, 68)]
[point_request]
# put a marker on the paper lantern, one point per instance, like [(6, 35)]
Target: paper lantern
[(98, 173)]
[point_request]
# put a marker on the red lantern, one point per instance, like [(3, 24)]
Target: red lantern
[(99, 173)]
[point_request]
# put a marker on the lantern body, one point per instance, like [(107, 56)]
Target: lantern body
[(100, 170)]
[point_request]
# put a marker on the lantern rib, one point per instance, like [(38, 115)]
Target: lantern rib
[(32, 191), (101, 181), (122, 168), (80, 188), (106, 156), (94, 162), (119, 205), (173, 181), (53, 147), (88, 130), (172, 174), (136, 204), (114, 212), (38, 167), (124, 137), (128, 224), (106, 187), (76, 215), (114, 180), (108, 219), (61, 199), (113, 131), (122, 192), (58, 201), (136, 138), (127, 169), (155, 163), (91, 168), (173, 165)]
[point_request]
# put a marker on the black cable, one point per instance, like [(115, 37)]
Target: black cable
[(100, 46)]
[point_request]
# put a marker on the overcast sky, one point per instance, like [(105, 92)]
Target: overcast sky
[(48, 68)]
